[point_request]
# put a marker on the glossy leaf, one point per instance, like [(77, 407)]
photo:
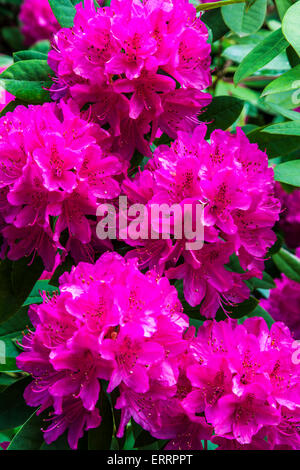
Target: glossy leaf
[(221, 113), (284, 128), (15, 286), (29, 55), (13, 409), (288, 264), (262, 54), (30, 435), (288, 172), (243, 20), (214, 20), (64, 11), (290, 80), (290, 26), (28, 80), (274, 145)]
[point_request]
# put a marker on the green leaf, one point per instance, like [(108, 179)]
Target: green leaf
[(223, 112), (283, 6), (41, 46), (259, 312), (274, 145), (286, 128), (290, 80), (288, 264), (16, 283), (294, 115), (243, 93), (293, 57), (29, 55), (9, 351), (290, 26), (7, 379), (262, 54), (5, 60), (18, 322), (243, 20), (40, 287), (285, 99), (30, 435), (27, 80), (276, 66), (13, 36), (265, 283), (64, 11), (100, 438), (13, 409), (288, 172), (244, 308), (213, 19)]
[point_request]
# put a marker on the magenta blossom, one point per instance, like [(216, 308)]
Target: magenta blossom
[(102, 326), (237, 382), (139, 65), (38, 21), (55, 168), (230, 178), (245, 382), (4, 445)]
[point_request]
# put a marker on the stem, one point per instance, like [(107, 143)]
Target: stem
[(211, 6)]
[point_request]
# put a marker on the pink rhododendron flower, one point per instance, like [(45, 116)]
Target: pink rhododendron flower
[(245, 383), (38, 20), (4, 445), (109, 322), (231, 179), (283, 303), (237, 382), (139, 65), (53, 175)]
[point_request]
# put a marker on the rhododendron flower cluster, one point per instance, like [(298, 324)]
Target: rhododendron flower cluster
[(38, 21), (246, 383), (109, 322), (142, 66), (283, 303), (53, 172), (237, 386), (112, 323), (231, 178), (157, 227)]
